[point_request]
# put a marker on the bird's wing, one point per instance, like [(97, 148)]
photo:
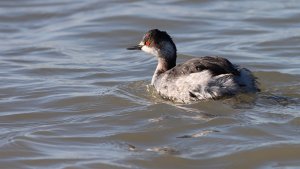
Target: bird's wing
[(215, 65)]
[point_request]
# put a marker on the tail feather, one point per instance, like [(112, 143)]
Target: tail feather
[(247, 81)]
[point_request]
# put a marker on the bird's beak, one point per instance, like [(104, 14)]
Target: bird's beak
[(137, 47)]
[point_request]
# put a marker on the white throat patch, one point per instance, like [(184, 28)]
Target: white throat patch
[(152, 51), (167, 50)]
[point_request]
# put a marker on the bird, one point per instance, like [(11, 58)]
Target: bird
[(200, 78)]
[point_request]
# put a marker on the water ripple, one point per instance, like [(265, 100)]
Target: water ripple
[(71, 96)]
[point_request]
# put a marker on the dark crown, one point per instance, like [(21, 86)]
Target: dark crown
[(157, 36)]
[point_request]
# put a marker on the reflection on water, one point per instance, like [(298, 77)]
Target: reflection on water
[(71, 96)]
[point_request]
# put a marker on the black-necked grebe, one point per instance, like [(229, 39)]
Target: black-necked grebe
[(208, 77)]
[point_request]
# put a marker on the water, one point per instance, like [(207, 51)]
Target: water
[(71, 96)]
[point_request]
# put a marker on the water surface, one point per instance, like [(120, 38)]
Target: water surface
[(71, 96)]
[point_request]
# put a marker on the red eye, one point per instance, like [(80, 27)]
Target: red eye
[(147, 43)]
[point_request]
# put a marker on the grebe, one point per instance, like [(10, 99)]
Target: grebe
[(208, 77)]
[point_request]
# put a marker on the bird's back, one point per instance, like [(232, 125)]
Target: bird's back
[(203, 78)]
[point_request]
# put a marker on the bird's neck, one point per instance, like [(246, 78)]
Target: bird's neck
[(166, 59), (164, 64)]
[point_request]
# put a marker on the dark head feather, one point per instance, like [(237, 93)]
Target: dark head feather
[(155, 36)]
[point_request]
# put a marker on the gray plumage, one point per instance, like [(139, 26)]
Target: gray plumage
[(197, 79)]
